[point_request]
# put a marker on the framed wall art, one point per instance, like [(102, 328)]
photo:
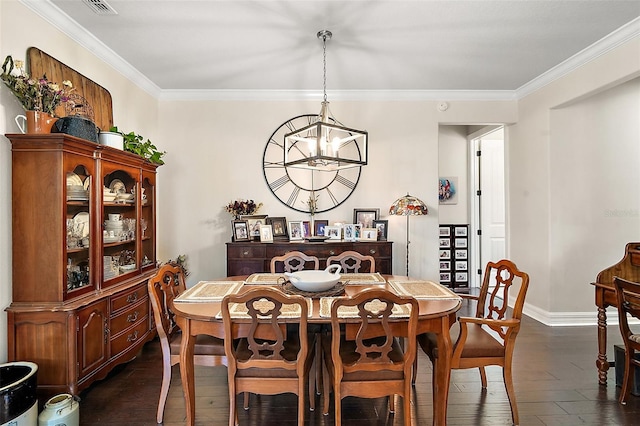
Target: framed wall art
[(454, 256), (448, 190)]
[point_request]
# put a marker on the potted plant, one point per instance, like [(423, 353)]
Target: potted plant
[(136, 144)]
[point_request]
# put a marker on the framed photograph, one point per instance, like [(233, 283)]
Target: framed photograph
[(446, 265), (461, 277), (461, 243), (461, 265), (365, 217), (279, 226), (319, 226), (381, 226), (445, 277), (254, 222), (333, 232), (266, 234), (306, 225), (369, 234), (445, 254), (445, 231), (352, 231), (240, 230), (460, 231), (461, 254), (445, 243), (296, 230)]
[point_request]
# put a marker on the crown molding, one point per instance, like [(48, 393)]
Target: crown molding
[(339, 95), (52, 14), (620, 36)]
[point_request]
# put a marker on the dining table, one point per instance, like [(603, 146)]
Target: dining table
[(199, 313)]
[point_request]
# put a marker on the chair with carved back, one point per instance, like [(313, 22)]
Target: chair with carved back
[(293, 261), (489, 337), (628, 295), (366, 358), (352, 261), (271, 354), (165, 286)]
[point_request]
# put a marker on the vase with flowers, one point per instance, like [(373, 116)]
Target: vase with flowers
[(242, 207), (312, 205), (38, 96)]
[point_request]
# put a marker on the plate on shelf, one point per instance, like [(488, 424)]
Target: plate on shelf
[(73, 179), (127, 268), (86, 183), (83, 217), (117, 186)]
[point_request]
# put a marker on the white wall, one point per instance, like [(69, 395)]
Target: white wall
[(453, 161), (595, 186), (560, 291)]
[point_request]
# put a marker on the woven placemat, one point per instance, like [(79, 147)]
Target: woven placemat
[(336, 290)]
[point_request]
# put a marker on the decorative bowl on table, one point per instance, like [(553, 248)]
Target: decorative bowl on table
[(315, 281)]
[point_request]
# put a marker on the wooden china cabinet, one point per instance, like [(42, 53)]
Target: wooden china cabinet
[(80, 304)]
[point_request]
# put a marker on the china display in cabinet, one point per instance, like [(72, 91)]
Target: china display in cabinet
[(84, 247)]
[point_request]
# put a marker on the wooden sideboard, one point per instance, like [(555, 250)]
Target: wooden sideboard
[(244, 258)]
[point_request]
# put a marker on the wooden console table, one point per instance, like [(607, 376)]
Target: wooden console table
[(245, 258)]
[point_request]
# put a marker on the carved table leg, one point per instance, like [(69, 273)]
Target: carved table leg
[(601, 362)]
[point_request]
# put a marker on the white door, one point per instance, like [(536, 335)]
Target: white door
[(491, 201)]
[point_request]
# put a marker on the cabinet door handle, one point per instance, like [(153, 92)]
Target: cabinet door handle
[(133, 337), (372, 251), (106, 332), (331, 252), (132, 298), (132, 317), (245, 253)]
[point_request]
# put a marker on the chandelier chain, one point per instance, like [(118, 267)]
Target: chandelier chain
[(324, 66)]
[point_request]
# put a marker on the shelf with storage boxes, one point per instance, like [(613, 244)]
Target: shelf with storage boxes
[(77, 251), (454, 257)]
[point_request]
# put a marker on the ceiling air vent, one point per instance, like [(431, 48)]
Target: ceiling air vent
[(101, 7)]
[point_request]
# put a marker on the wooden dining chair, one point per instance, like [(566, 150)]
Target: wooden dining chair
[(488, 338), (267, 353), (351, 261), (368, 359), (628, 295), (165, 286), (293, 261)]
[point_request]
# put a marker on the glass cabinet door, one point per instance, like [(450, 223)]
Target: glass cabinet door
[(80, 276), (148, 220), (119, 222)]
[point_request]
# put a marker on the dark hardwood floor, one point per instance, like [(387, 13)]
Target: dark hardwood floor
[(554, 375)]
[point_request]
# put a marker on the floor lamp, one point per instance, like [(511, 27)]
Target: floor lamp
[(408, 206)]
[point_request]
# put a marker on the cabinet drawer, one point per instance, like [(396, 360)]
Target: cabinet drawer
[(129, 317), (129, 338), (246, 251), (375, 250), (128, 298)]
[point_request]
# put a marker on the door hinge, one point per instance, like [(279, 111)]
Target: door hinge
[(479, 192), (479, 232), (478, 153), (479, 271)]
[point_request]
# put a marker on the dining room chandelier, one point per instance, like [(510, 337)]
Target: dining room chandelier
[(325, 143)]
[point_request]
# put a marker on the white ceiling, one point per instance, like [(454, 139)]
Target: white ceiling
[(388, 45)]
